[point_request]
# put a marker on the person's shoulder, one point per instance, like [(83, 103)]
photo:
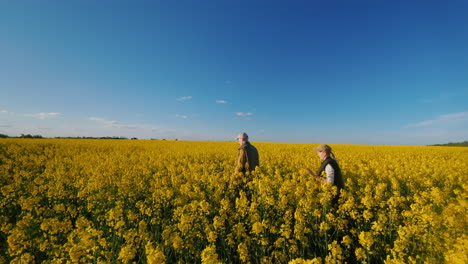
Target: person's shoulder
[(245, 145), (334, 163), (250, 146)]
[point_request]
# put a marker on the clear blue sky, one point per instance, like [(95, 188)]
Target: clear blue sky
[(350, 72)]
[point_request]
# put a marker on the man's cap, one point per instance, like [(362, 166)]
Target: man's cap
[(242, 135), (323, 147)]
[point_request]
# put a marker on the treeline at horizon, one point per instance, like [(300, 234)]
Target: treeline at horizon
[(78, 137), (40, 136), (454, 144)]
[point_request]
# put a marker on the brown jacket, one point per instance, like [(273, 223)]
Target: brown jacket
[(247, 159)]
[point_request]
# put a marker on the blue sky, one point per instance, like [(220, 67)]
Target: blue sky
[(348, 72)]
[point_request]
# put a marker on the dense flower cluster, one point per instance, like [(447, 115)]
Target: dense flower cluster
[(107, 201)]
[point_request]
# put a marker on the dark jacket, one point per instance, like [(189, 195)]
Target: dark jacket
[(247, 159), (338, 179)]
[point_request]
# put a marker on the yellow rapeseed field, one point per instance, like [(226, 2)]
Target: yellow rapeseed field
[(142, 201)]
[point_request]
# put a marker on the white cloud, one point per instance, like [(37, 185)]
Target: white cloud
[(88, 126), (38, 115), (221, 102), (442, 119), (422, 124), (184, 98), (7, 112), (182, 116), (243, 114), (97, 119), (125, 126), (460, 116), (112, 123), (43, 115)]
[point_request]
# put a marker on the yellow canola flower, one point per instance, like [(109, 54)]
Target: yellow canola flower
[(209, 255), (306, 261), (257, 228), (103, 201), (366, 239), (154, 255)]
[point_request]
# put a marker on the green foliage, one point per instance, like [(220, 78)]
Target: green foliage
[(30, 136), (457, 144)]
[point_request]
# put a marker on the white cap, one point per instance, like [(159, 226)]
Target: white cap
[(242, 135)]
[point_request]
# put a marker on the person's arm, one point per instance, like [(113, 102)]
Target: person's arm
[(317, 177), (240, 166), (241, 161), (312, 173), (330, 173)]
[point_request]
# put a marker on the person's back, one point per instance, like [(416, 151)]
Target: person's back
[(247, 161), (248, 158)]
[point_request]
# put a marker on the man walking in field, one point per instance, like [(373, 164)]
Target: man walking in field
[(247, 160)]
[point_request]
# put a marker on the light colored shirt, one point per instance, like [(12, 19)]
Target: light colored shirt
[(330, 173)]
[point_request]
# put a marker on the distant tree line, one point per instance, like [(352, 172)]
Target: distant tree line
[(451, 144), (95, 137), (22, 136), (39, 136), (30, 136)]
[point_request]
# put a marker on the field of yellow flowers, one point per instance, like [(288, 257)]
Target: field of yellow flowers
[(141, 201)]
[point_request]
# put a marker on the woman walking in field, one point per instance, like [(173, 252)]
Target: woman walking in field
[(330, 167)]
